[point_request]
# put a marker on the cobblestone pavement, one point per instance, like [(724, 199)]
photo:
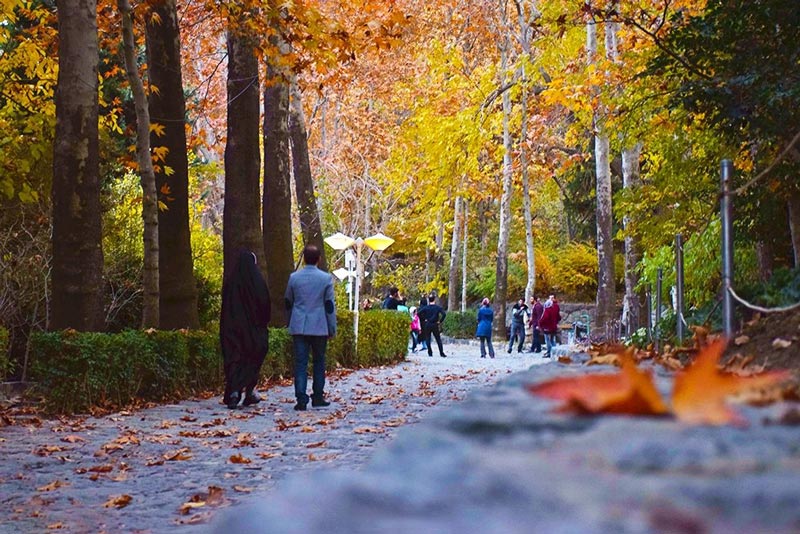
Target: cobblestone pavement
[(173, 467), (502, 461)]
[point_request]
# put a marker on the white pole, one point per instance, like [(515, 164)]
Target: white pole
[(359, 244)]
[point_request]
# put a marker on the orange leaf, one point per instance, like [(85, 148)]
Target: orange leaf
[(630, 392), (700, 392), (118, 501), (239, 459)]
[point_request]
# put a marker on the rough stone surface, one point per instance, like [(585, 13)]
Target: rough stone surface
[(502, 461), (56, 475)]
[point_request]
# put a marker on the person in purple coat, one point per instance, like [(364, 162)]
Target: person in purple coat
[(537, 309), (484, 330)]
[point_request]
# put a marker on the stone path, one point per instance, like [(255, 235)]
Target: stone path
[(171, 468), (502, 461)]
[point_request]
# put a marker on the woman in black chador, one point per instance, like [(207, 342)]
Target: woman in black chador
[(243, 329)]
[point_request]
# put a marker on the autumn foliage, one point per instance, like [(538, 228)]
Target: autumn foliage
[(698, 397)]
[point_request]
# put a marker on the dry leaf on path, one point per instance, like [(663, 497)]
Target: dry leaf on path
[(52, 486), (242, 489), (178, 456), (239, 459), (118, 501), (268, 455), (564, 359), (629, 392), (780, 343), (700, 392)]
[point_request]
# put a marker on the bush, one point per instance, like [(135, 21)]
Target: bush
[(382, 338), (76, 371), (5, 362), (460, 325)]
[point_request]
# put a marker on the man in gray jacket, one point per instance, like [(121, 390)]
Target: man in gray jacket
[(312, 320)]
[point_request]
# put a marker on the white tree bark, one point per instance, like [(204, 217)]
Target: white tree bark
[(631, 180), (465, 218), (501, 269), (150, 278), (455, 249)]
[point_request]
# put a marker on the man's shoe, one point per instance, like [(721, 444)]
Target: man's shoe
[(509, 351), (300, 407), (443, 355), (251, 398), (233, 400), (319, 403)]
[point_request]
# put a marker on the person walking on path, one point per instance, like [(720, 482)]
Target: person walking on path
[(243, 332), (536, 315), (312, 320), (549, 323), (416, 329), (484, 330), (518, 325), (431, 316)]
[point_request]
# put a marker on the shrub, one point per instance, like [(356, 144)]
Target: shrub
[(460, 325), (382, 338), (575, 272), (76, 371), (5, 362)]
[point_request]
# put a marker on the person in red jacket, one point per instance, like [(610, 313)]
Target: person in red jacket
[(549, 323)]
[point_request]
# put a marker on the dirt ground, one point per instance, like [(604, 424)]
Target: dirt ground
[(772, 340)]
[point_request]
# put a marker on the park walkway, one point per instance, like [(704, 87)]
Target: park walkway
[(172, 468)]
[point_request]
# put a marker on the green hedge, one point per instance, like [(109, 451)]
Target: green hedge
[(76, 371), (5, 363), (460, 325)]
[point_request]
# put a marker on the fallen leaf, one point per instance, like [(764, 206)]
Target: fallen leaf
[(779, 343), (239, 459), (118, 501), (605, 359), (179, 455), (741, 340), (242, 489), (564, 359), (700, 392), (52, 486), (316, 444), (368, 430), (72, 439), (55, 526), (629, 392), (268, 455)]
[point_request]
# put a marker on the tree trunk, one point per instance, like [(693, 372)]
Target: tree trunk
[(794, 225), (77, 274), (501, 266), (465, 217), (147, 174), (241, 218), (310, 224), (530, 285), (631, 180), (178, 291), (455, 250), (277, 213), (606, 291), (766, 260)]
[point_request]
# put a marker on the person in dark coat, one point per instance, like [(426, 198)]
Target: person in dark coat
[(518, 313), (537, 309), (549, 323), (431, 316), (484, 330), (392, 300), (243, 330)]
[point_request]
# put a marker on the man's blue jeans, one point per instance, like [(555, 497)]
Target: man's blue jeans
[(550, 341), (303, 346)]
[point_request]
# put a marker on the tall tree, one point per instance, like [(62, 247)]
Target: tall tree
[(501, 267), (455, 252), (77, 274), (241, 219), (178, 291), (606, 291), (631, 180), (277, 206), (310, 224), (147, 179)]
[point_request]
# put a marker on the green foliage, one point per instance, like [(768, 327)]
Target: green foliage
[(5, 363), (382, 337), (460, 325), (575, 271), (783, 289)]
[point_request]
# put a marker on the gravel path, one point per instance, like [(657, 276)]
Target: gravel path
[(167, 468)]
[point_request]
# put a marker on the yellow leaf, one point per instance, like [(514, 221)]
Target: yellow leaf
[(159, 129)]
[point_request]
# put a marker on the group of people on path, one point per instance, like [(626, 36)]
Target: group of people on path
[(542, 319), (311, 307)]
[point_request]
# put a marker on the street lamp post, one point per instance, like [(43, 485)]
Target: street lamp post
[(377, 242)]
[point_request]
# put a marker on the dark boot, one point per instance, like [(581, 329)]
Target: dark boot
[(318, 401), (233, 400), (251, 398)]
